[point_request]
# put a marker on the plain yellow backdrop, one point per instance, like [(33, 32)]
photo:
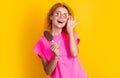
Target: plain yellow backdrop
[(23, 22)]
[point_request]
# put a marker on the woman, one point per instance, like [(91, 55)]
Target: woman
[(60, 56)]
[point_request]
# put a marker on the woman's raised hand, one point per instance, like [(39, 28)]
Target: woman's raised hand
[(71, 23)]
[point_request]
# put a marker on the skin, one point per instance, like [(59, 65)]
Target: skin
[(56, 30)]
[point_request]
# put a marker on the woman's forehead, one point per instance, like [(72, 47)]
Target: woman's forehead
[(61, 9)]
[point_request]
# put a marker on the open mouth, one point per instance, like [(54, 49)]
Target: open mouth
[(60, 21)]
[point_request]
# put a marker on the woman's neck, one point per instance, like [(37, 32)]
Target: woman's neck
[(56, 31)]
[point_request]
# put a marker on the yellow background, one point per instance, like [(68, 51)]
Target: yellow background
[(22, 24)]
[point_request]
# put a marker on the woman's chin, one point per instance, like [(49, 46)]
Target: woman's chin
[(60, 25)]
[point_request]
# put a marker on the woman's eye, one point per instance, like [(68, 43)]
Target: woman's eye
[(57, 14), (65, 15)]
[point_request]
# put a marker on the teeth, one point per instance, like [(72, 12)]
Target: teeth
[(60, 21)]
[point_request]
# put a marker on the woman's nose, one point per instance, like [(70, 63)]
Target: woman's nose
[(61, 16)]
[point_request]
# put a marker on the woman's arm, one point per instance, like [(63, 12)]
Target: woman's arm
[(73, 44), (49, 67)]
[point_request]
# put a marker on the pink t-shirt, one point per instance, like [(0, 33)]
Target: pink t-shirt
[(67, 65)]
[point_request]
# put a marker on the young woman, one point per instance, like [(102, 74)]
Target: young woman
[(60, 56)]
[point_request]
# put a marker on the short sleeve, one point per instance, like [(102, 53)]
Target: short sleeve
[(38, 49), (76, 38)]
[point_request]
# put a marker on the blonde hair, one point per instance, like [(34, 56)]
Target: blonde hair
[(53, 8)]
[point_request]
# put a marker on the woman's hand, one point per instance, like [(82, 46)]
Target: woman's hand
[(54, 47), (71, 24)]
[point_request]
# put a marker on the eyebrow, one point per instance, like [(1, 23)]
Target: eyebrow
[(60, 11)]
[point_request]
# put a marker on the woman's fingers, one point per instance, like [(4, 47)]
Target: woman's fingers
[(54, 46), (73, 20), (77, 22)]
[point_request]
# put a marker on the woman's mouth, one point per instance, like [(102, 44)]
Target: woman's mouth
[(60, 21)]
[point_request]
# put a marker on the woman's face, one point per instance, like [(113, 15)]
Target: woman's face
[(59, 17)]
